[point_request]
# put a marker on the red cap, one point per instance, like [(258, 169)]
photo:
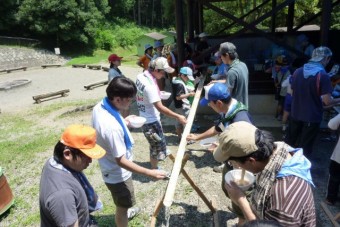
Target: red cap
[(114, 57)]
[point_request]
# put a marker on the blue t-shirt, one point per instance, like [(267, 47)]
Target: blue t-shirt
[(307, 103)]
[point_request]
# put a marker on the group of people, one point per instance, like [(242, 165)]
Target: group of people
[(283, 190)]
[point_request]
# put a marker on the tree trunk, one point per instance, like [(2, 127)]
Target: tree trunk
[(139, 16)]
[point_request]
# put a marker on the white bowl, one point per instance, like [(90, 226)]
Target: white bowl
[(208, 141), (136, 121), (235, 175), (165, 95)]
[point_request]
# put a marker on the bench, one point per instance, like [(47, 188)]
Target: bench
[(97, 67), (97, 84), (79, 66), (106, 69), (14, 69), (62, 93), (50, 65)]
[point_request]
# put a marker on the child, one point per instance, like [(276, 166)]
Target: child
[(114, 71), (183, 92), (282, 73), (146, 58)]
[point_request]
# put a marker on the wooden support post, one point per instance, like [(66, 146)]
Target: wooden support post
[(211, 205), (97, 84), (169, 194), (158, 207), (192, 183), (329, 214), (62, 93)]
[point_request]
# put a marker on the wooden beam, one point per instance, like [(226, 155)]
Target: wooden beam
[(97, 84), (170, 191), (62, 93)]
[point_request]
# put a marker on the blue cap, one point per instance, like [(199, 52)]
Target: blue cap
[(158, 44), (214, 92), (187, 71), (147, 46)]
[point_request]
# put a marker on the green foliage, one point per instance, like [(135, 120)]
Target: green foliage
[(105, 39), (66, 20), (127, 35)]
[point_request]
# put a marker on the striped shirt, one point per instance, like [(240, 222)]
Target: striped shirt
[(291, 202)]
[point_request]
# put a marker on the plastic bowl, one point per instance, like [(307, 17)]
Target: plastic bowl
[(208, 141), (235, 175), (136, 121), (165, 95)]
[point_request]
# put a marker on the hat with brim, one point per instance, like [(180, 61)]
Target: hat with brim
[(320, 53), (187, 71), (158, 44), (147, 47), (214, 92), (83, 138), (161, 63), (114, 57), (238, 140)]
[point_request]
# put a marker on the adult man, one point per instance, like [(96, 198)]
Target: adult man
[(237, 74), (219, 99), (283, 181), (65, 194), (150, 105), (311, 89), (114, 136)]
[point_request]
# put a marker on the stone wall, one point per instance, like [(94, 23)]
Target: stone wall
[(13, 57)]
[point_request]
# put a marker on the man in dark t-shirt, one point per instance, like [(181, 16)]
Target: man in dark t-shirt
[(65, 194), (312, 89)]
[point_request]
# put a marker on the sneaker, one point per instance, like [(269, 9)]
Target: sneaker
[(218, 169), (133, 212)]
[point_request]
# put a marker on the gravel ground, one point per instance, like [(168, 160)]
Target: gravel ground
[(188, 209)]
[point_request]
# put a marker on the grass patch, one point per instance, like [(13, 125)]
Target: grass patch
[(100, 56)]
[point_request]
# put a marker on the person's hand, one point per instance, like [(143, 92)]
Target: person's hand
[(192, 93), (191, 136), (234, 192), (158, 174), (212, 82), (182, 119)]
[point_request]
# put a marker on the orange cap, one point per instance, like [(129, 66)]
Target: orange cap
[(83, 138)]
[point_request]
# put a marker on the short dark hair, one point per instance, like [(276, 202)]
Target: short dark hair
[(265, 142), (121, 87), (59, 152), (225, 101)]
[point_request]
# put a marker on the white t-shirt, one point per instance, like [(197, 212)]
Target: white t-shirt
[(110, 136), (147, 94)]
